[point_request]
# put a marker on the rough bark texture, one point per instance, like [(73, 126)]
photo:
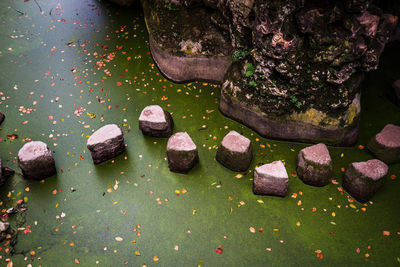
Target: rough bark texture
[(296, 65)]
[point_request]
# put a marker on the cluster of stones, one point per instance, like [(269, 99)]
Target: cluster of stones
[(314, 167)]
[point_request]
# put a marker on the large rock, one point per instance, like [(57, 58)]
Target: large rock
[(386, 144), (154, 121), (181, 152), (363, 179), (106, 143), (296, 66), (184, 42), (271, 179), (36, 161), (235, 152), (2, 117), (5, 173), (314, 166), (396, 90)]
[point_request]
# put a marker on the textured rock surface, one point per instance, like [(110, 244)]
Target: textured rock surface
[(386, 144), (2, 117), (235, 152), (154, 121), (314, 166), (181, 152), (363, 179), (185, 43), (36, 161), (396, 90), (271, 179), (5, 173), (106, 143), (296, 65)]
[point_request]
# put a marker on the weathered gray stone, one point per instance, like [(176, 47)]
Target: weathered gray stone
[(314, 166), (36, 161), (181, 152), (192, 49), (396, 90), (271, 179), (154, 121), (363, 179), (235, 152), (286, 129), (106, 143), (2, 117), (5, 173), (386, 144)]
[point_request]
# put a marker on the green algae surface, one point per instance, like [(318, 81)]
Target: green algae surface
[(70, 67)]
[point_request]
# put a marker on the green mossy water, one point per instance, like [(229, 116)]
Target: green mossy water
[(196, 213)]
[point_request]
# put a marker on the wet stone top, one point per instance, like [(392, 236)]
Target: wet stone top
[(181, 142), (103, 134), (318, 154), (275, 169), (33, 150), (236, 142), (374, 168), (389, 136), (153, 113)]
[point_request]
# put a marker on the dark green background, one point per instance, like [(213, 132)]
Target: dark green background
[(79, 29)]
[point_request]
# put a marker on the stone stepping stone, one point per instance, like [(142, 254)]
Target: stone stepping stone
[(363, 179), (106, 143), (314, 166), (386, 144), (235, 152), (271, 179), (5, 173), (2, 117), (181, 152), (396, 89), (154, 121), (36, 161)]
